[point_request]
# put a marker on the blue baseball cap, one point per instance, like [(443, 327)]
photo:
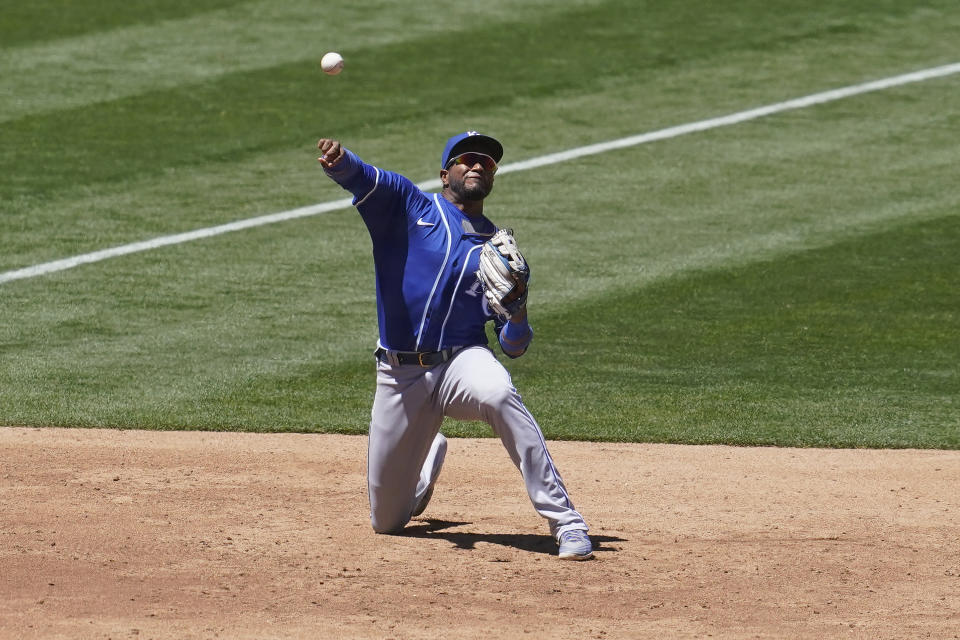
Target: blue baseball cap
[(471, 141)]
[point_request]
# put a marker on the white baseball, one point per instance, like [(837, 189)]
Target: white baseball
[(332, 63)]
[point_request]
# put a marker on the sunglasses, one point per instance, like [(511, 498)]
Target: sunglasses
[(471, 158)]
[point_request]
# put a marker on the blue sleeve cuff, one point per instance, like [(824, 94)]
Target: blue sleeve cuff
[(345, 169), (515, 337)]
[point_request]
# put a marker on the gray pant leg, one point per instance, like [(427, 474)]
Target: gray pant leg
[(475, 386), (403, 423)]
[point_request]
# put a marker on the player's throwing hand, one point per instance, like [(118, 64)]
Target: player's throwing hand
[(330, 152)]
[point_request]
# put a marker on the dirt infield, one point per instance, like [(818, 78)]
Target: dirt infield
[(131, 534)]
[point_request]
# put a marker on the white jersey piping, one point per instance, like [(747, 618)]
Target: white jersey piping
[(376, 183), (453, 298), (436, 283)]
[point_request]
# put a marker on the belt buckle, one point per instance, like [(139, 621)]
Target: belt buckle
[(420, 355)]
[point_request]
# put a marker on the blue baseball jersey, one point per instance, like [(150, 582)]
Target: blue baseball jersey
[(426, 255)]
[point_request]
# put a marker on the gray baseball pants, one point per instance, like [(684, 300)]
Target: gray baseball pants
[(408, 409)]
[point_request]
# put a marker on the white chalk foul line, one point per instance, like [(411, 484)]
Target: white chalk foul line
[(163, 241), (552, 158)]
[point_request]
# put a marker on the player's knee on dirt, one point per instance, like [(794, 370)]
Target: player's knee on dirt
[(389, 523), (389, 512)]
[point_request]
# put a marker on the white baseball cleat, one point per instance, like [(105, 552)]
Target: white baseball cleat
[(575, 545)]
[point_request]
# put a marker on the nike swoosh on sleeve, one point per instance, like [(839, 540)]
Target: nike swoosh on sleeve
[(423, 223)]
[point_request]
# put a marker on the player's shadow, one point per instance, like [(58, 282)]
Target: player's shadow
[(532, 543)]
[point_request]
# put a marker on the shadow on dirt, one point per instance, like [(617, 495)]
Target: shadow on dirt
[(523, 541)]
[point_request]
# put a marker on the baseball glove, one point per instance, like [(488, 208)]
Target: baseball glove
[(504, 274)]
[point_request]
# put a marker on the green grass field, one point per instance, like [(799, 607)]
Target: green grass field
[(791, 280)]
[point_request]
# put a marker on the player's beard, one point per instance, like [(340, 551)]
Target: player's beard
[(474, 191)]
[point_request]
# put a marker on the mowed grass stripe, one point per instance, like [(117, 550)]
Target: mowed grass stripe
[(112, 63), (30, 23), (236, 109), (192, 169), (254, 111), (848, 345), (164, 331), (845, 346), (791, 183), (547, 160)]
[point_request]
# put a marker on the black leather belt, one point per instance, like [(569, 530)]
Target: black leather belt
[(419, 358)]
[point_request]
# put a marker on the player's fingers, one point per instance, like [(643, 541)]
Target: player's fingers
[(322, 145), (330, 152)]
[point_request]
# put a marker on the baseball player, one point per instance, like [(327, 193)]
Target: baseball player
[(433, 302)]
